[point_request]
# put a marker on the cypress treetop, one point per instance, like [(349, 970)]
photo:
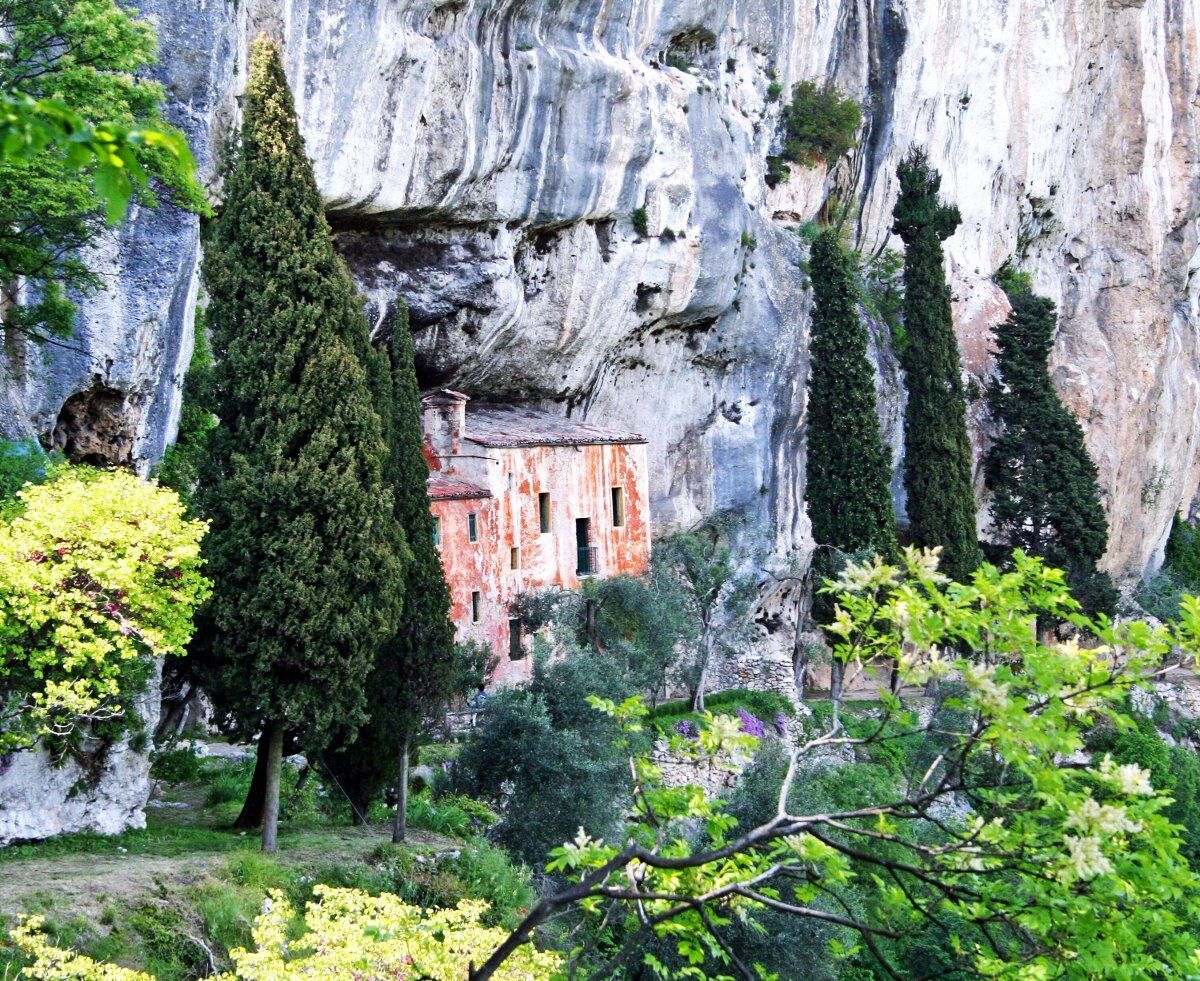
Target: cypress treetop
[(304, 547), (937, 449), (1045, 494), (848, 469)]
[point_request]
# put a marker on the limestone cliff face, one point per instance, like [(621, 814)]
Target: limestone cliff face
[(483, 158)]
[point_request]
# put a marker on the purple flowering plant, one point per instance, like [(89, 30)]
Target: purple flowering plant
[(751, 724)]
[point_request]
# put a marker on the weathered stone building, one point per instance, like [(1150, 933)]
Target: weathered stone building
[(524, 501)]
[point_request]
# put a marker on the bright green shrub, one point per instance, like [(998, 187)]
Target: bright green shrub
[(820, 125), (99, 574)]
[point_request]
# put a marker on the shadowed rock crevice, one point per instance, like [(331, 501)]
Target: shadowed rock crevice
[(97, 427)]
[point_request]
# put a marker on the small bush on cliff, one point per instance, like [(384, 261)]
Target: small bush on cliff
[(1045, 495), (99, 574), (937, 448), (820, 125), (304, 551)]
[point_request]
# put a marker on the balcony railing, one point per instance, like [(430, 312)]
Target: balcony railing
[(587, 565)]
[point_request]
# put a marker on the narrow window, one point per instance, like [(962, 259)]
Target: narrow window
[(618, 505), (544, 513), (437, 531), (516, 649), (475, 601), (514, 558), (472, 527)]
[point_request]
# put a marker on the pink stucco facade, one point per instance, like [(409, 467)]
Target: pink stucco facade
[(596, 512)]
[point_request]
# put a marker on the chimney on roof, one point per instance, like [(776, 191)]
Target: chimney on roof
[(445, 422)]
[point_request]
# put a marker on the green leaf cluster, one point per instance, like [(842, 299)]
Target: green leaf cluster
[(820, 125), (937, 448), (81, 131)]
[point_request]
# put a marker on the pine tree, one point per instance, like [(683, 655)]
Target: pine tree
[(415, 671), (1045, 496), (304, 550), (937, 449), (849, 473)]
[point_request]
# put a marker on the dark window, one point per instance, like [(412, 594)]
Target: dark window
[(514, 558), (618, 507), (472, 527), (544, 513), (516, 649), (475, 602), (586, 565), (437, 530)]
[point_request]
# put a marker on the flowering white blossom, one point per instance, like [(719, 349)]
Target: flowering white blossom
[(1129, 778), (982, 679), (1102, 819), (1086, 858)]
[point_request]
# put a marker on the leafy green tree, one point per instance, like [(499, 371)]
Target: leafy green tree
[(551, 758), (99, 575), (937, 449), (820, 125), (304, 548), (1059, 869), (1045, 496), (716, 593), (80, 130)]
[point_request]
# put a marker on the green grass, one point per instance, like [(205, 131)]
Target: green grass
[(763, 704), (147, 841)]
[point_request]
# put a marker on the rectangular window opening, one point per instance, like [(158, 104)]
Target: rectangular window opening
[(544, 513), (586, 551), (437, 530), (514, 558), (516, 646), (472, 527), (618, 507), (476, 602)]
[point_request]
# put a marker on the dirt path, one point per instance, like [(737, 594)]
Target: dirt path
[(83, 885)]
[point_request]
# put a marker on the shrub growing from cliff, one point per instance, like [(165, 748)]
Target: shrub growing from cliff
[(99, 574), (90, 56), (820, 125), (305, 551), (1045, 497), (937, 449)]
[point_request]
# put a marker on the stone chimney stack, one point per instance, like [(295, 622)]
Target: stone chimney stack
[(445, 421)]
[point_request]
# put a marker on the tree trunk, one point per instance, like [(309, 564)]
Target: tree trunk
[(252, 810), (273, 735), (836, 674), (400, 825), (702, 680), (589, 624)]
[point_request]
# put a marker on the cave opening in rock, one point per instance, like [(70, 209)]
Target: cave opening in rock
[(95, 426)]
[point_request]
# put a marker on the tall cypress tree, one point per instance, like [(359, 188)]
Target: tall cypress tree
[(304, 549), (1045, 495), (848, 470), (849, 473), (415, 670), (937, 449)]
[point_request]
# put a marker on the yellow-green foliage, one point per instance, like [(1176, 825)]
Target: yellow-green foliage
[(350, 934), (99, 571)]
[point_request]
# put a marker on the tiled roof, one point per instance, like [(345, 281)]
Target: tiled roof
[(506, 425), (443, 488)]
